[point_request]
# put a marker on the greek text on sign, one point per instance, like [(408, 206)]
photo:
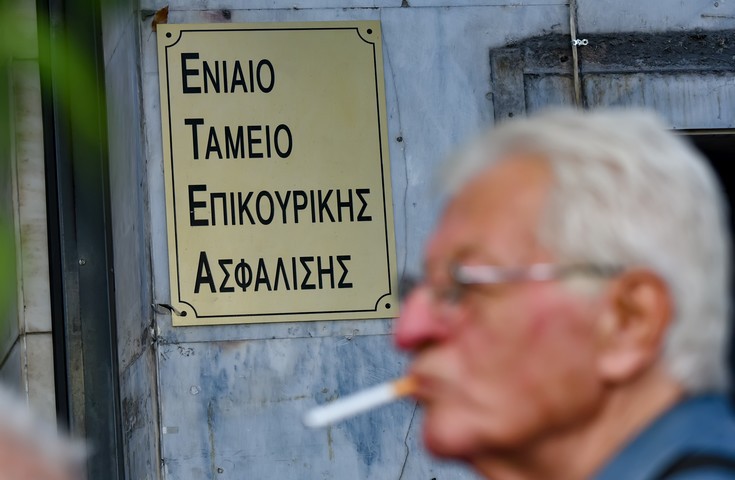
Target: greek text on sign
[(277, 173)]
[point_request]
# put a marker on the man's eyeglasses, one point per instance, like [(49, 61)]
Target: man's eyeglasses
[(539, 272), (464, 275)]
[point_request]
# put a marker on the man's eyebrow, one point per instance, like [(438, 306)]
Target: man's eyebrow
[(475, 255), (444, 264)]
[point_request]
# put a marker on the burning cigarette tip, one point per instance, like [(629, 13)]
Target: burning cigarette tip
[(405, 386)]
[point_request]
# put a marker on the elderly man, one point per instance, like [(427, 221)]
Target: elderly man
[(573, 319)]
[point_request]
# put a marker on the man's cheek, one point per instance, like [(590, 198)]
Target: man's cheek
[(555, 318)]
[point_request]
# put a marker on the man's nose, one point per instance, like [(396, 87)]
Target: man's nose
[(419, 322)]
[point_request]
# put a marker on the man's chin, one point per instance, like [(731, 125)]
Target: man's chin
[(446, 439), (454, 435)]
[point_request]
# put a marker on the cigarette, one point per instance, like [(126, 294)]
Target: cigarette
[(359, 402)]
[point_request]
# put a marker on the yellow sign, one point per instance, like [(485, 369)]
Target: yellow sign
[(277, 173)]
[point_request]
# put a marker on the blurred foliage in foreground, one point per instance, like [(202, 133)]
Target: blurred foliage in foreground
[(75, 90), (9, 45)]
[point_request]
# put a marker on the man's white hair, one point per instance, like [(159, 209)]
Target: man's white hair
[(628, 192)]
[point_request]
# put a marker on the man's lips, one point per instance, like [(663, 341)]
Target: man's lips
[(428, 385)]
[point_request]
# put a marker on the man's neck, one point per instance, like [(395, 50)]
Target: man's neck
[(582, 450)]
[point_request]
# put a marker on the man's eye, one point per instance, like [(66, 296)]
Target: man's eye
[(452, 294)]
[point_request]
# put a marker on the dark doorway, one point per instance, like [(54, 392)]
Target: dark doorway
[(719, 147)]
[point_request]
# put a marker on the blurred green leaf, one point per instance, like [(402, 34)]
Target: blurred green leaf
[(75, 88), (74, 75), (7, 269), (74, 78), (8, 30)]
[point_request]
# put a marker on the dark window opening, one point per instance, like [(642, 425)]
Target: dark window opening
[(719, 148)]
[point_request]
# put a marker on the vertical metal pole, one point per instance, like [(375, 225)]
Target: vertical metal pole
[(575, 57), (56, 182)]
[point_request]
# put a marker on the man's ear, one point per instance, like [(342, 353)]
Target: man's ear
[(636, 317)]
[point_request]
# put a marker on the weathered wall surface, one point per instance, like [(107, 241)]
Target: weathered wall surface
[(688, 77), (225, 402), (131, 224), (658, 16), (232, 397)]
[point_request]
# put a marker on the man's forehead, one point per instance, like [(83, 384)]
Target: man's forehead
[(495, 215)]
